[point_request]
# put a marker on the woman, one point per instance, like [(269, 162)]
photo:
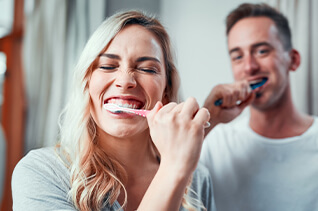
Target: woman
[(110, 161)]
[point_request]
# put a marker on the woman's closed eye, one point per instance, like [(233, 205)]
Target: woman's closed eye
[(147, 70), (107, 67)]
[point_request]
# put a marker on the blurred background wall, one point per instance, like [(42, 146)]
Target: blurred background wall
[(198, 32), (41, 40)]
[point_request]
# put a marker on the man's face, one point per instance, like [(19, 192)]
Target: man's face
[(256, 52)]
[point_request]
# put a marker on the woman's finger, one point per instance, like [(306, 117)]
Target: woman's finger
[(153, 112), (202, 117), (168, 107), (189, 109)]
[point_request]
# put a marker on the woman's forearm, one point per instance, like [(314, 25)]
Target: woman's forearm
[(166, 190)]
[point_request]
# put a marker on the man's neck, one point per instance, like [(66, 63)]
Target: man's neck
[(282, 121)]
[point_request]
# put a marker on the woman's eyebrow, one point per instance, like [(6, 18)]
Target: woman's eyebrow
[(111, 56), (146, 58), (140, 59)]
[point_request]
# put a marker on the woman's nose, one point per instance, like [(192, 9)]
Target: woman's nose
[(125, 79)]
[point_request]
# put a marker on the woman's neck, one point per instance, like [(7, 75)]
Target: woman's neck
[(134, 153), (139, 159)]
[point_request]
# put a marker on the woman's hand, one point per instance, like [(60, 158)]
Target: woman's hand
[(177, 130)]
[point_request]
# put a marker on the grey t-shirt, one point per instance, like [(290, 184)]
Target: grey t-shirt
[(41, 181)]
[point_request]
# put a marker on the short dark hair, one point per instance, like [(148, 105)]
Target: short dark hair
[(262, 10)]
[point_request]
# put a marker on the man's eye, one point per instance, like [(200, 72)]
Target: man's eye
[(236, 58), (262, 52)]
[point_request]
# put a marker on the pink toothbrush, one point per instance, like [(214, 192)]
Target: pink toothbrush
[(118, 109)]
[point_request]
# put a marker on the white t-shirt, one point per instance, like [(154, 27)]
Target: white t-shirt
[(252, 173)]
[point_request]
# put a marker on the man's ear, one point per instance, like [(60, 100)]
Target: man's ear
[(295, 59)]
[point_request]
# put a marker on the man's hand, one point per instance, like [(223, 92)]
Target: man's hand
[(235, 97)]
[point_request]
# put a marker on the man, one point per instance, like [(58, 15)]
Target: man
[(269, 160)]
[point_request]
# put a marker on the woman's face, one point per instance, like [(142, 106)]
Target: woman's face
[(129, 73)]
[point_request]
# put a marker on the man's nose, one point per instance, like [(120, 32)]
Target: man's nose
[(125, 79), (251, 64)]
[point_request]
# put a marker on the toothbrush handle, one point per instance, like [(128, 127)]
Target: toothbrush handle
[(141, 112), (218, 102)]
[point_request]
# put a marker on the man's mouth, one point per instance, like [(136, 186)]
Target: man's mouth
[(258, 83)]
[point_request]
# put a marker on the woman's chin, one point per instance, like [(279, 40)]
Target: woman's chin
[(126, 131)]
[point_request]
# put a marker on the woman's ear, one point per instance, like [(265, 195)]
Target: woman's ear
[(165, 98), (295, 60)]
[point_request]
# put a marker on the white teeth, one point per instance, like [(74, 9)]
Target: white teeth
[(120, 104), (126, 105)]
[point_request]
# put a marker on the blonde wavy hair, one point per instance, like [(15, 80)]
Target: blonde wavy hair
[(95, 176)]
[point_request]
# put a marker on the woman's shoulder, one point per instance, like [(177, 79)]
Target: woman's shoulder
[(201, 180), (201, 173), (42, 175), (202, 187), (42, 158), (46, 152), (44, 162)]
